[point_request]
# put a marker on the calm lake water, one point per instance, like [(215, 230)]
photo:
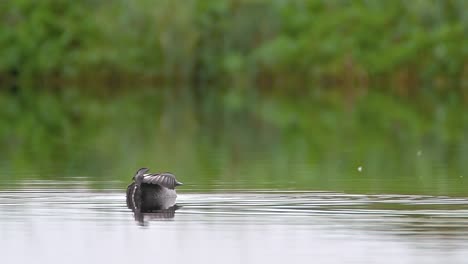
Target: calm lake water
[(57, 222)]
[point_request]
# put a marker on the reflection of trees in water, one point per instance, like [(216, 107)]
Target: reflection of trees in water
[(162, 208)]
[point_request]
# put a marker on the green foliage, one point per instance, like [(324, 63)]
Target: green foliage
[(42, 38), (302, 44), (306, 88)]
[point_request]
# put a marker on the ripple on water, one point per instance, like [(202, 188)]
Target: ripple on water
[(388, 224)]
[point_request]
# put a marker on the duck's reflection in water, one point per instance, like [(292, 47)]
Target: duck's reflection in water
[(162, 208)]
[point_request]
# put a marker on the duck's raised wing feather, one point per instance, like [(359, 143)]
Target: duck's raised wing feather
[(167, 180)]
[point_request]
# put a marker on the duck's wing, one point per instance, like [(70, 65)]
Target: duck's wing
[(167, 180)]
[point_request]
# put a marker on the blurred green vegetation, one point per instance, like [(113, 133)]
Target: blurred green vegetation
[(276, 142), (410, 48), (248, 94)]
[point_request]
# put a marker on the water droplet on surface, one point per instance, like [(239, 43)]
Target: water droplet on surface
[(359, 168)]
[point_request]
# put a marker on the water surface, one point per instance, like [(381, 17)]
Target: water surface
[(50, 222)]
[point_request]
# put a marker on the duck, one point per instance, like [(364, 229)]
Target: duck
[(152, 191)]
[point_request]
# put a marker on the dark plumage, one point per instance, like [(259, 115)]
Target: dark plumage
[(149, 192), (164, 179)]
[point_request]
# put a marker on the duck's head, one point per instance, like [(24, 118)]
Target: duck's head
[(138, 178)]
